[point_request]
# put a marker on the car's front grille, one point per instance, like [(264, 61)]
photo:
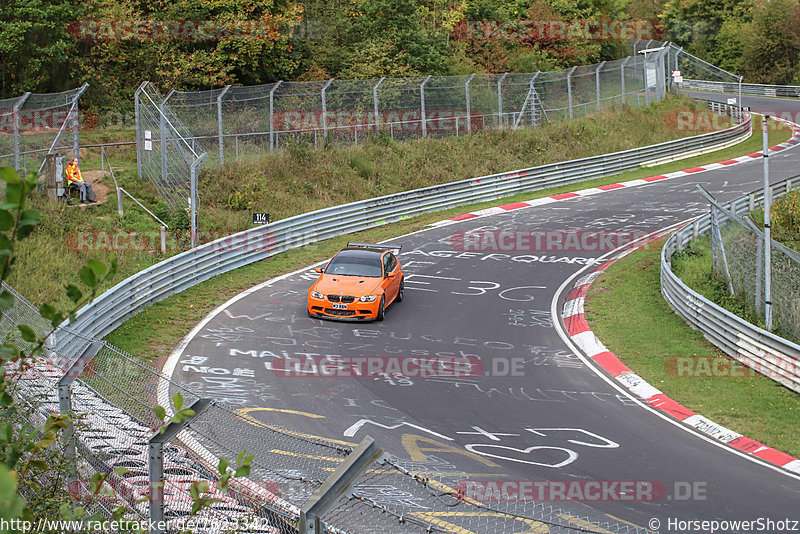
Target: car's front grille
[(341, 298), (331, 311)]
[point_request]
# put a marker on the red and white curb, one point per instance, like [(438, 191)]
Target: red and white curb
[(582, 336), (794, 141)]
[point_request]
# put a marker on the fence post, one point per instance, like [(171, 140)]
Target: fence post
[(325, 111), (162, 125), (569, 90), (65, 400), (375, 104), (622, 76), (759, 272), (338, 485), (422, 105), (15, 112), (76, 139), (534, 99), (767, 229), (193, 197), (139, 134), (272, 115), (469, 106), (219, 124), (500, 100), (155, 455), (597, 82)]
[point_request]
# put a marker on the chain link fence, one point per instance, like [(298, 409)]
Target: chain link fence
[(110, 395), (737, 252), (31, 126), (237, 122)]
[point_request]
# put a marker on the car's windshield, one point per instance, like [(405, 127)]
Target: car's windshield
[(351, 265)]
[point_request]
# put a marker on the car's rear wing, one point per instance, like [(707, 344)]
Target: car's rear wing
[(393, 248)]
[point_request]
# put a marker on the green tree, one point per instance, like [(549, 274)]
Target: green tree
[(697, 25), (35, 48), (771, 52)]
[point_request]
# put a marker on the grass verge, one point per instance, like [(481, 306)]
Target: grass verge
[(627, 312), (152, 334)]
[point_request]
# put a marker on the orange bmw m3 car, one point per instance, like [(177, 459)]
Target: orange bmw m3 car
[(357, 284)]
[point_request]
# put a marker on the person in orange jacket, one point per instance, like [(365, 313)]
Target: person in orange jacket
[(74, 177)]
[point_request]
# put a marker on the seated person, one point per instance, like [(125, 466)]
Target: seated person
[(74, 179)]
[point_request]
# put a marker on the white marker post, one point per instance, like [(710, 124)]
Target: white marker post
[(767, 231)]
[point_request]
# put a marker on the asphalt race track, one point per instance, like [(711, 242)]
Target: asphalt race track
[(555, 419)]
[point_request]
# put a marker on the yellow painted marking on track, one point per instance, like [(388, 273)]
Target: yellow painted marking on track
[(615, 518), (536, 527), (411, 442), (244, 416), (584, 524), (245, 411), (312, 456)]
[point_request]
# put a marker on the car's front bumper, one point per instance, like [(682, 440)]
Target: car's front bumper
[(354, 311)]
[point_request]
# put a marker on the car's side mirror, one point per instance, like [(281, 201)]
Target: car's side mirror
[(320, 269), (391, 275)]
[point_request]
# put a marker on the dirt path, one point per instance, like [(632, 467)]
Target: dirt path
[(100, 189)]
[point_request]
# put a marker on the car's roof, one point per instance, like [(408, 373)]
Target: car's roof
[(360, 252)]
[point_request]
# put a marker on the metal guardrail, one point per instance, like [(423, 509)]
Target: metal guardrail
[(192, 267), (763, 351), (751, 89)]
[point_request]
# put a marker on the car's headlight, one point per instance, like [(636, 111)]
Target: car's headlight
[(317, 295), (368, 298)]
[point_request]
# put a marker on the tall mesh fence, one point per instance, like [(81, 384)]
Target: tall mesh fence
[(737, 248), (33, 124), (111, 403), (167, 155), (236, 122)]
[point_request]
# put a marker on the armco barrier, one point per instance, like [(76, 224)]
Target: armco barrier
[(759, 349), (192, 267), (751, 89)]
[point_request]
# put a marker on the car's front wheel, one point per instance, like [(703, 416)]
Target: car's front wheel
[(381, 309), (400, 291)]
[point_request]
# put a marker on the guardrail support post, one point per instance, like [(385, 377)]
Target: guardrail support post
[(272, 115), (500, 100), (597, 82), (155, 455), (469, 104), (767, 229), (65, 401), (337, 485), (219, 124), (325, 111), (569, 90), (375, 104), (422, 105)]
